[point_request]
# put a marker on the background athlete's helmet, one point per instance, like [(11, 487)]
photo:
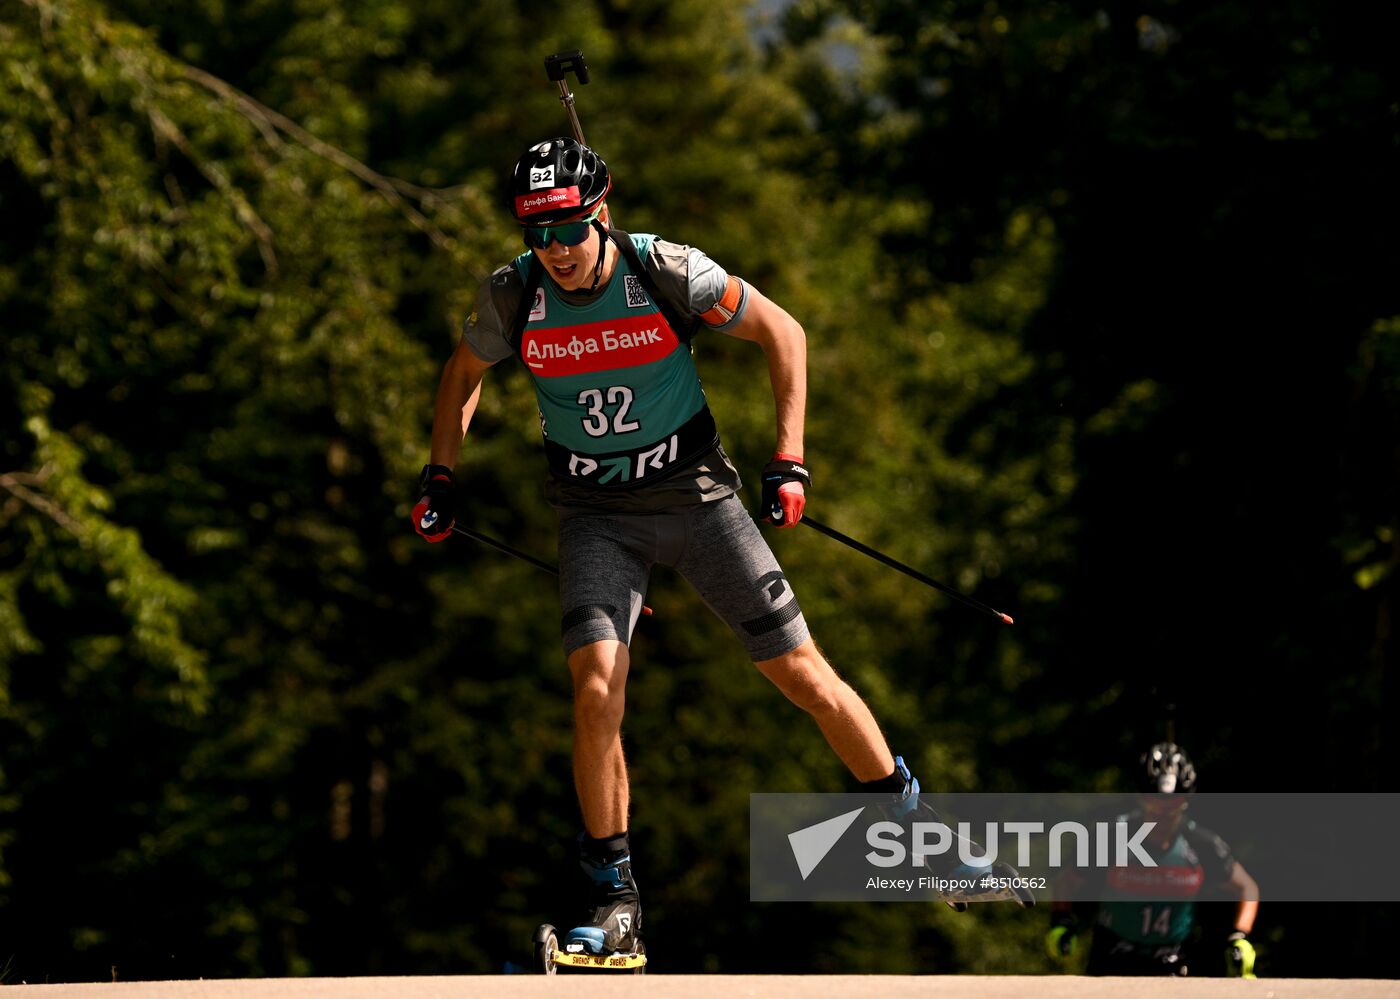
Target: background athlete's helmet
[(1167, 769), (557, 180)]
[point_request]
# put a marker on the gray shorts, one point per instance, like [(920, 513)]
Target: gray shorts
[(605, 560)]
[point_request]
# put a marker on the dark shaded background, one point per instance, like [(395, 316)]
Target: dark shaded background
[(1104, 330)]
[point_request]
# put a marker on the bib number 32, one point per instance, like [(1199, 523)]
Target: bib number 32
[(598, 421)]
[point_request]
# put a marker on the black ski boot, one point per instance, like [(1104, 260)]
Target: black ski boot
[(612, 919), (980, 881)]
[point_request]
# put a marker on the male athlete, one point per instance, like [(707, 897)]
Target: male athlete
[(1143, 926), (603, 322)]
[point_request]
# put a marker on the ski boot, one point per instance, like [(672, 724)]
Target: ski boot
[(610, 934), (906, 808)]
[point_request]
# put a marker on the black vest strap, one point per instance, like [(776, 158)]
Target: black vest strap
[(683, 328), (534, 276)]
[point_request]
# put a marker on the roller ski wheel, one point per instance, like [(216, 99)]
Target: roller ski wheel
[(551, 955), (1018, 890), (1024, 896), (546, 943)]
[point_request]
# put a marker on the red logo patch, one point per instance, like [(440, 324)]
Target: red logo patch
[(547, 201), (615, 343), (1157, 882)]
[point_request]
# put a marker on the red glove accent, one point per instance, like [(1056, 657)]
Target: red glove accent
[(433, 515), (794, 500), (419, 512), (790, 494)]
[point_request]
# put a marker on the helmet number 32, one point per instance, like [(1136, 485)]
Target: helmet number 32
[(598, 422)]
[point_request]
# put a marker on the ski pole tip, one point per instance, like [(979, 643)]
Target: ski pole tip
[(1005, 617)]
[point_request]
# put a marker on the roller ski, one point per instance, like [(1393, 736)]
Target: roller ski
[(609, 935), (976, 882), (550, 956)]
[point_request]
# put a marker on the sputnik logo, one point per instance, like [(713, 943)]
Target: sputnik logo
[(811, 845)]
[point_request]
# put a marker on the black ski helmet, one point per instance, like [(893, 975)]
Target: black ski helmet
[(557, 180), (1168, 770)]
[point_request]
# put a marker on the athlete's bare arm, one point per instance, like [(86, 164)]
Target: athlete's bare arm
[(457, 396)]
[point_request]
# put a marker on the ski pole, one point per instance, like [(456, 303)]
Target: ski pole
[(558, 67), (913, 573), (501, 546)]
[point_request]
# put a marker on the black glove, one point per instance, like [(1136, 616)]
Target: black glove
[(783, 506), (436, 510)]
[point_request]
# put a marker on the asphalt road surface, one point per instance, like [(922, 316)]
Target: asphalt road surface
[(603, 985)]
